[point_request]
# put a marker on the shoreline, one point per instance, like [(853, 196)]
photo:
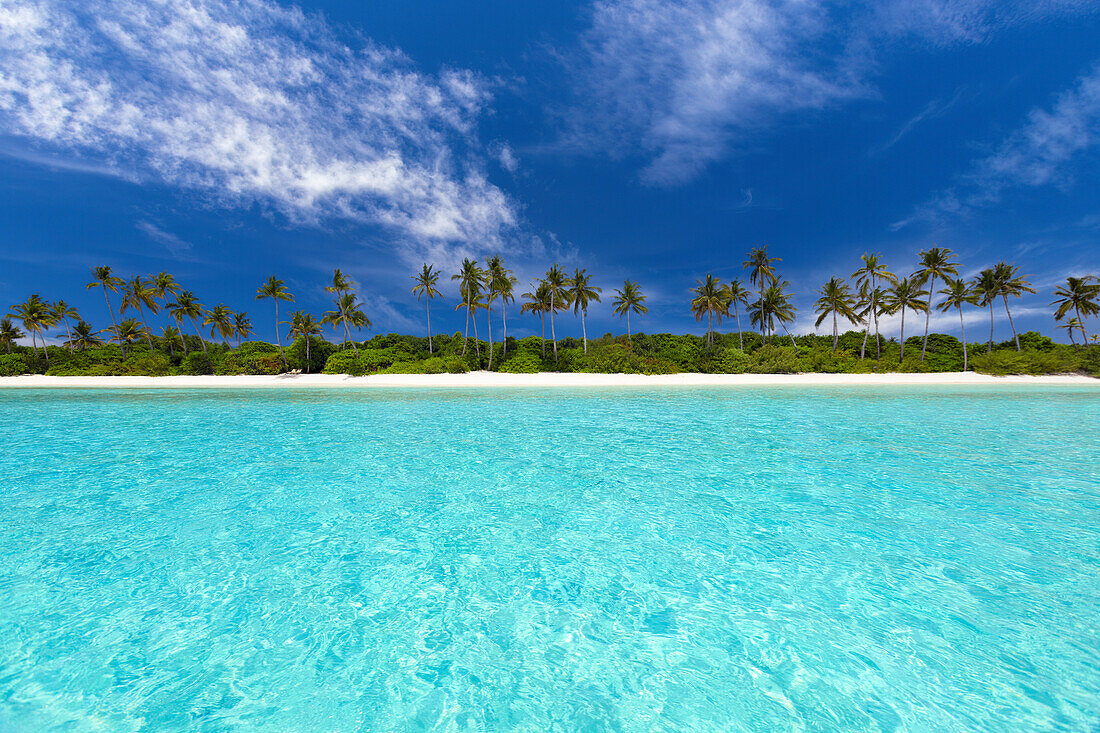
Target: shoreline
[(483, 380)]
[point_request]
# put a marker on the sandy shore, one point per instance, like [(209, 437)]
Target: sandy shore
[(545, 379)]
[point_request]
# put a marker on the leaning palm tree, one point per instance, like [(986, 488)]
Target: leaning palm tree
[(220, 320), (171, 338), (186, 305), (104, 279), (275, 289), (774, 305), (711, 301), (629, 300), (761, 270), (469, 288), (62, 311), (425, 285), (1010, 282), (9, 333), (242, 327), (559, 299), (303, 325), (906, 294), (347, 315), (872, 272), (836, 300), (84, 336), (1082, 296), (503, 286), (986, 288), (1073, 324), (935, 262), (341, 285), (581, 292), (538, 302), (738, 296), (956, 295), (136, 292), (36, 315), (126, 332)]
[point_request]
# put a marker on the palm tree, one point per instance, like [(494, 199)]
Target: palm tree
[(275, 289), (956, 295), (303, 325), (220, 320), (469, 288), (935, 262), (1074, 324), (906, 295), (1083, 296), (9, 332), (341, 285), (36, 315), (187, 305), (171, 338), (711, 300), (738, 295), (538, 302), (581, 292), (127, 332), (761, 272), (137, 293), (774, 305), (986, 289), (559, 299), (347, 314), (84, 336), (626, 301), (1010, 282), (163, 285), (504, 284), (425, 285), (836, 300), (242, 327), (62, 311), (104, 279), (872, 271)]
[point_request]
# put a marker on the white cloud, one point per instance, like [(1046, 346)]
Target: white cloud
[(177, 248), (255, 103)]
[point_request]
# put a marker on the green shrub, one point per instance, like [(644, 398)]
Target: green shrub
[(773, 359), (1089, 360), (522, 363), (319, 352), (345, 362), (1008, 361), (822, 360), (252, 361), (196, 363), (12, 365), (730, 361)]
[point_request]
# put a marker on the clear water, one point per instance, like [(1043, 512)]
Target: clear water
[(920, 559)]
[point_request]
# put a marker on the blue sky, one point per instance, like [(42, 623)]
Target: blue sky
[(228, 141)]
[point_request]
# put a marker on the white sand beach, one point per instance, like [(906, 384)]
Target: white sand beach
[(542, 380)]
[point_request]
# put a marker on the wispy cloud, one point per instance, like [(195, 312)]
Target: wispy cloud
[(177, 248), (685, 83), (254, 103), (933, 110), (1040, 153)]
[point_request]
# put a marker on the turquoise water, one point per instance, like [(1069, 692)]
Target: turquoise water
[(919, 559)]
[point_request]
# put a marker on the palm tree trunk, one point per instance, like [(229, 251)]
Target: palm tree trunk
[(201, 340), (1010, 323), (629, 340), (148, 336), (466, 333), (1084, 334), (710, 324), (990, 326), (553, 333), (901, 356), (308, 360), (490, 319), (69, 333), (428, 311), (928, 315), (962, 329), (504, 318), (109, 308), (835, 337), (584, 330), (477, 345), (740, 338), (542, 338), (278, 338)]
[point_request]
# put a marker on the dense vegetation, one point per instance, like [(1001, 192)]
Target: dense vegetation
[(130, 347)]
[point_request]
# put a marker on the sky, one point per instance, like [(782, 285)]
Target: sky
[(654, 140)]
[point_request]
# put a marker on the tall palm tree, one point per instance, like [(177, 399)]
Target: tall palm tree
[(1082, 296), (220, 320), (242, 327), (36, 315), (538, 302), (711, 301), (559, 299), (501, 283), (62, 311), (774, 305), (629, 299), (171, 338), (1010, 282), (163, 285), (469, 288), (103, 278), (186, 305), (425, 285), (955, 295), (126, 332), (873, 271), (738, 296), (84, 336), (275, 289), (9, 332), (986, 289), (935, 262), (136, 292), (342, 285), (1074, 324), (836, 300), (761, 270), (906, 294), (348, 314), (581, 292), (303, 325)]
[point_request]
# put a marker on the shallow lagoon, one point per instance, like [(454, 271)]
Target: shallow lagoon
[(759, 559)]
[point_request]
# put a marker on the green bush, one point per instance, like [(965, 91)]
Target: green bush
[(12, 365), (730, 361), (1008, 361), (319, 352), (249, 362), (522, 363), (773, 359), (823, 361), (345, 362), (197, 363)]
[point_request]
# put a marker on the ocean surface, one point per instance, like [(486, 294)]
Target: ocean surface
[(714, 559)]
